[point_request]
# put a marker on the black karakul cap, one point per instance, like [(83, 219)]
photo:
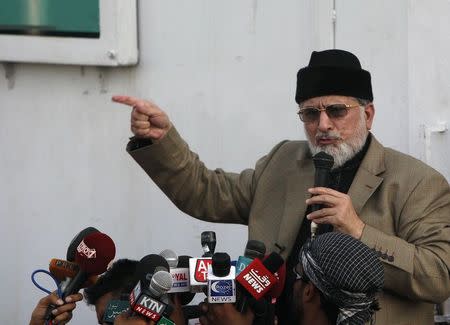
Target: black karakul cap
[(333, 72)]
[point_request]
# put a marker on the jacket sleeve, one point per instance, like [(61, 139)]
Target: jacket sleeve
[(210, 195), (417, 259)]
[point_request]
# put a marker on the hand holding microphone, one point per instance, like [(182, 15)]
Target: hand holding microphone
[(93, 254), (62, 311)]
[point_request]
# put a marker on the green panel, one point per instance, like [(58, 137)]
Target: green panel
[(75, 18)]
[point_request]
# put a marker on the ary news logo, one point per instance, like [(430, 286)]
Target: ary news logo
[(86, 251), (258, 282), (201, 270)]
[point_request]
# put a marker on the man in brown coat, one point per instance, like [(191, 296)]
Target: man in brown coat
[(393, 203)]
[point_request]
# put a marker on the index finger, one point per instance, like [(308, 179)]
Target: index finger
[(127, 100), (324, 190)]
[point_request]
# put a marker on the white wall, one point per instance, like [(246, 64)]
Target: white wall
[(225, 72)]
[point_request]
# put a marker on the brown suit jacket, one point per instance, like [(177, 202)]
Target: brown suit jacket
[(404, 203)]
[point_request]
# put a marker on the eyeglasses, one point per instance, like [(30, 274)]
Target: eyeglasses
[(299, 276), (311, 114)]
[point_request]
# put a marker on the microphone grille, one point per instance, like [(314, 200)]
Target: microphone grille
[(161, 283), (323, 160), (171, 257), (255, 249), (273, 262)]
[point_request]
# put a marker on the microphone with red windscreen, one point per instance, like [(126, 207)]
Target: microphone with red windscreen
[(72, 249), (93, 255)]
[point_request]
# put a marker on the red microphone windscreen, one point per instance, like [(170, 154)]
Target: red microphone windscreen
[(95, 252), (277, 289)]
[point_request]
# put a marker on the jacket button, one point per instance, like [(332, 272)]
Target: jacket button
[(391, 258), (384, 256)]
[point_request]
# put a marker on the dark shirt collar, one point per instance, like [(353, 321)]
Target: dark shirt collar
[(356, 160)]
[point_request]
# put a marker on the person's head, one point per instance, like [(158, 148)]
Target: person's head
[(335, 104), (338, 277), (117, 280)]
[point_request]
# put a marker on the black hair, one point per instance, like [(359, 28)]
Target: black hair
[(118, 279), (330, 308)]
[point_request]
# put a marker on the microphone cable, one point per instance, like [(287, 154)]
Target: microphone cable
[(58, 288)]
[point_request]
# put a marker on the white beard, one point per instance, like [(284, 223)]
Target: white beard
[(343, 151)]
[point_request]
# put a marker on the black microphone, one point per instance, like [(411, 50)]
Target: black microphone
[(208, 241), (147, 266), (323, 163)]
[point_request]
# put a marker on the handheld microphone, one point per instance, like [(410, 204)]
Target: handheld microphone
[(180, 278), (64, 270), (147, 302), (147, 266), (258, 277), (276, 291), (323, 163), (208, 241), (72, 249), (93, 255), (171, 257), (221, 280), (114, 308), (253, 249), (198, 272)]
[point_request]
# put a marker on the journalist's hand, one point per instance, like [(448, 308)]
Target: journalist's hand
[(63, 312)]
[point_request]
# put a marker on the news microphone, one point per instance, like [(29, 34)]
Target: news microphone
[(258, 277), (147, 266), (198, 273), (64, 271), (253, 249), (208, 241), (171, 257), (181, 284), (114, 308), (277, 289), (72, 249), (93, 254), (148, 302), (221, 280), (323, 163)]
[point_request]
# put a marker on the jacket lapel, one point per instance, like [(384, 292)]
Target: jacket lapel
[(366, 180)]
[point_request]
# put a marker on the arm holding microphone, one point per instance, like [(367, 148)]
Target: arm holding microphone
[(62, 312)]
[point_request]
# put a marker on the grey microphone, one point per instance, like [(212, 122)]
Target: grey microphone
[(160, 283), (171, 257)]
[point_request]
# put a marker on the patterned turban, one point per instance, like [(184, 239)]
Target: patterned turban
[(347, 272)]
